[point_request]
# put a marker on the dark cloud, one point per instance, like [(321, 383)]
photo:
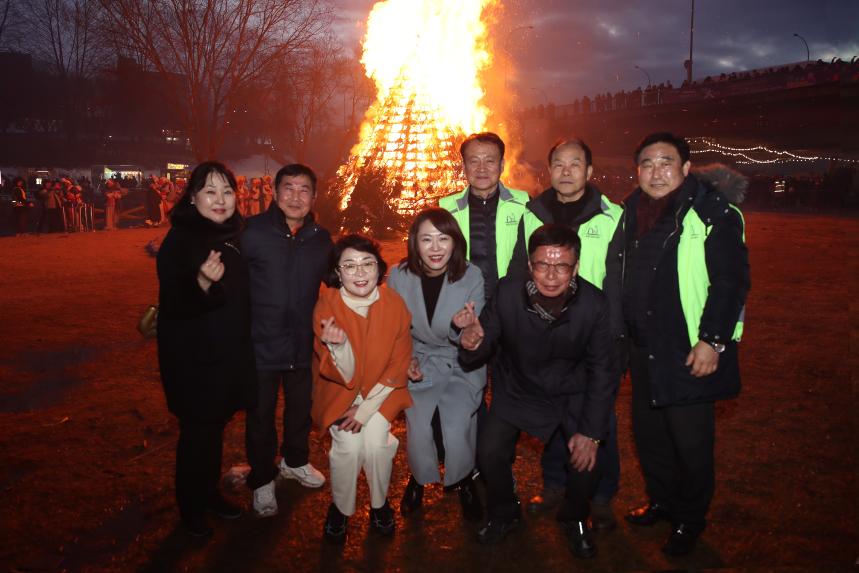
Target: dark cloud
[(584, 47)]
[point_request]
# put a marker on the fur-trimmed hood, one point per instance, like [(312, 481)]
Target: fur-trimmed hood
[(731, 183)]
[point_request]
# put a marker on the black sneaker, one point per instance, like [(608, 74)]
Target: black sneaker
[(223, 508), (335, 526), (496, 530), (382, 520)]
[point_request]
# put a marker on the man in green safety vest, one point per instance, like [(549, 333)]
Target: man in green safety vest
[(574, 202), (685, 281), (488, 213)]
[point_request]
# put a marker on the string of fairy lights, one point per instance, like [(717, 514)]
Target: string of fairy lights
[(759, 154)]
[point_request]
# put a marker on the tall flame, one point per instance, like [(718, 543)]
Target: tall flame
[(425, 57)]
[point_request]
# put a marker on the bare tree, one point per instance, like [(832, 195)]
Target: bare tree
[(65, 35), (5, 12), (314, 82), (320, 100), (211, 53)]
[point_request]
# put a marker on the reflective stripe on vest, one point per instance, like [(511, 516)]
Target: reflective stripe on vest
[(693, 276), (595, 234)]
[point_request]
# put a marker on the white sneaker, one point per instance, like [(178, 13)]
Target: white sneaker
[(265, 502), (307, 475)]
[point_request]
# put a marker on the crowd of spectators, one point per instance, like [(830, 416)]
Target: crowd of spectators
[(723, 85), (68, 204)]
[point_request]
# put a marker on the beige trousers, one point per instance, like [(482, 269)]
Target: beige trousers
[(373, 449)]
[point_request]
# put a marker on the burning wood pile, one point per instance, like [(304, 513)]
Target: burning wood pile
[(425, 57)]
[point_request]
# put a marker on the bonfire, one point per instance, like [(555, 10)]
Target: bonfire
[(425, 58)]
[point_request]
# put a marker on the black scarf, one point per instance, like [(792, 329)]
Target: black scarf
[(550, 309), (190, 218)]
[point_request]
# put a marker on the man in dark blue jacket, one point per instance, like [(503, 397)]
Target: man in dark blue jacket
[(287, 254), (685, 283)]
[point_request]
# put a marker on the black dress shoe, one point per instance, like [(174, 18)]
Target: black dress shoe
[(647, 515), (413, 497), (382, 520), (334, 530), (496, 530), (223, 508), (682, 540), (602, 517), (197, 526), (550, 498), (579, 540), (472, 509)]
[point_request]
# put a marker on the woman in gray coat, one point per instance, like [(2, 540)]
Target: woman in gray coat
[(444, 293)]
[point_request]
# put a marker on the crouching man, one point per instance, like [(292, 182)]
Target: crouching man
[(553, 372)]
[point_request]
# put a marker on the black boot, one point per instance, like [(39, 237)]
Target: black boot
[(335, 526), (472, 509), (579, 539), (412, 497), (382, 520)]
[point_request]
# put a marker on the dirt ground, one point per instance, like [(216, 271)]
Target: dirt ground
[(87, 445)]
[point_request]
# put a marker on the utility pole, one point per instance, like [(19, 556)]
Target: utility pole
[(691, 36)]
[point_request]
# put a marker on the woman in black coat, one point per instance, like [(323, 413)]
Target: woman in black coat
[(204, 348)]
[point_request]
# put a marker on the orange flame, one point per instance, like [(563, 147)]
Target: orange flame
[(425, 57)]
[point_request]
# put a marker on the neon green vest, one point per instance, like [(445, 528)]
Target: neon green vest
[(693, 275), (511, 207), (595, 234)]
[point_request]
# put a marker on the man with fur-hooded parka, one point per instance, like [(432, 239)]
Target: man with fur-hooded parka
[(685, 281)]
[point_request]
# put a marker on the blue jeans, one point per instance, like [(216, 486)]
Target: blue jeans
[(555, 457)]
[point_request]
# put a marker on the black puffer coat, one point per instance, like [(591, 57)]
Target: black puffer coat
[(204, 345)]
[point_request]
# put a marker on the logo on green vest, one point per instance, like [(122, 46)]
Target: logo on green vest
[(592, 233), (511, 219)]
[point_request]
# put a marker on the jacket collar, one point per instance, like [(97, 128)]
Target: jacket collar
[(278, 219), (504, 194), (594, 204)]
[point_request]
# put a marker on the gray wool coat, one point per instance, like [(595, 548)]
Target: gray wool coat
[(445, 385)]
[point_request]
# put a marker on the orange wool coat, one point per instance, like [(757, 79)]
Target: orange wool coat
[(382, 345)]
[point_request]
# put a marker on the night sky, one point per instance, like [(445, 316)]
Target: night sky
[(584, 47)]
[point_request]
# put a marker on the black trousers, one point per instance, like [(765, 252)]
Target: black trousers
[(198, 465), (675, 448), (496, 449), (260, 429)]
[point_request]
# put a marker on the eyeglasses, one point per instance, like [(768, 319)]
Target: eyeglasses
[(351, 269), (543, 267)]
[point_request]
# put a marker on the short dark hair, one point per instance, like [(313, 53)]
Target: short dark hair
[(482, 137), (442, 220), (184, 208), (294, 170), (555, 236), (359, 243), (679, 143), (573, 141)]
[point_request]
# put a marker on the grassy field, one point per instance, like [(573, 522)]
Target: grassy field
[(87, 445)]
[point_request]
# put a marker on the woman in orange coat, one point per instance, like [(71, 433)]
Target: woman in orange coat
[(362, 352)]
